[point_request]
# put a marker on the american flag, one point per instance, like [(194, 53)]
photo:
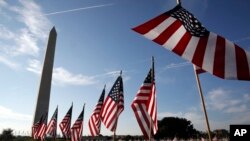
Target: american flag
[(113, 105), (35, 128), (95, 118), (180, 32), (52, 125), (145, 107), (40, 133), (76, 129), (65, 123)]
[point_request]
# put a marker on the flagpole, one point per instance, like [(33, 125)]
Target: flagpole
[(203, 102), (152, 77)]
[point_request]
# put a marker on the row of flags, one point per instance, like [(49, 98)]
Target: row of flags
[(106, 111), (41, 129)]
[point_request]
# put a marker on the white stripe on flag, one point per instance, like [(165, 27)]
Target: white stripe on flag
[(208, 61), (142, 119), (190, 49), (230, 60), (155, 32), (175, 38)]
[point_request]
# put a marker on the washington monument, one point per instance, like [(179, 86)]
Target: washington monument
[(42, 105)]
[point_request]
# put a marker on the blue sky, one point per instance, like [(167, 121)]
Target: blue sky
[(95, 42)]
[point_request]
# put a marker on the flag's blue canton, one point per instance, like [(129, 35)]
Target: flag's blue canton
[(149, 78), (116, 90), (102, 96), (189, 21)]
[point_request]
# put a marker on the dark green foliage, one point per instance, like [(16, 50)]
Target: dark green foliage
[(170, 127), (7, 135)]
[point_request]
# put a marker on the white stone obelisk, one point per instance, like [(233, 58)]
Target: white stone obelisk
[(42, 105)]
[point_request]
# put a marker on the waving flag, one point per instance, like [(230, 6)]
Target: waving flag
[(95, 119), (34, 130), (113, 105), (52, 125), (145, 107), (65, 123), (40, 133), (180, 32), (76, 130)]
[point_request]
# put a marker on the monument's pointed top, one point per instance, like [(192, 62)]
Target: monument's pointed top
[(53, 30)]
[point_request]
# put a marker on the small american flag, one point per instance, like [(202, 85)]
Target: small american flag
[(52, 125), (35, 128), (180, 32), (40, 133), (113, 105), (95, 119), (66, 123), (76, 129), (145, 107)]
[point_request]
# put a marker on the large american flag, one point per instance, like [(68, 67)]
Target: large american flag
[(66, 123), (52, 125), (145, 107), (95, 118), (113, 105), (40, 133), (76, 129), (180, 32)]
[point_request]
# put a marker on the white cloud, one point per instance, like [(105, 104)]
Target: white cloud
[(25, 41), (34, 66), (5, 33), (27, 44), (62, 76), (32, 16), (9, 63), (222, 100), (3, 3), (7, 113)]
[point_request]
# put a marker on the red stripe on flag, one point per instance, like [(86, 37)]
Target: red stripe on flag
[(200, 51), (167, 33), (146, 27), (241, 63), (219, 57), (182, 44)]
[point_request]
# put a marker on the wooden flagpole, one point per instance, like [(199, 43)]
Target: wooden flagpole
[(203, 103)]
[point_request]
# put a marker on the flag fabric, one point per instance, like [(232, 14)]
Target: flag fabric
[(76, 129), (52, 125), (95, 118), (35, 128), (145, 107), (180, 32), (66, 123), (40, 133), (113, 105)]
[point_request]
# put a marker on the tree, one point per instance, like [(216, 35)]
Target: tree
[(7, 135), (170, 127), (221, 133)]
